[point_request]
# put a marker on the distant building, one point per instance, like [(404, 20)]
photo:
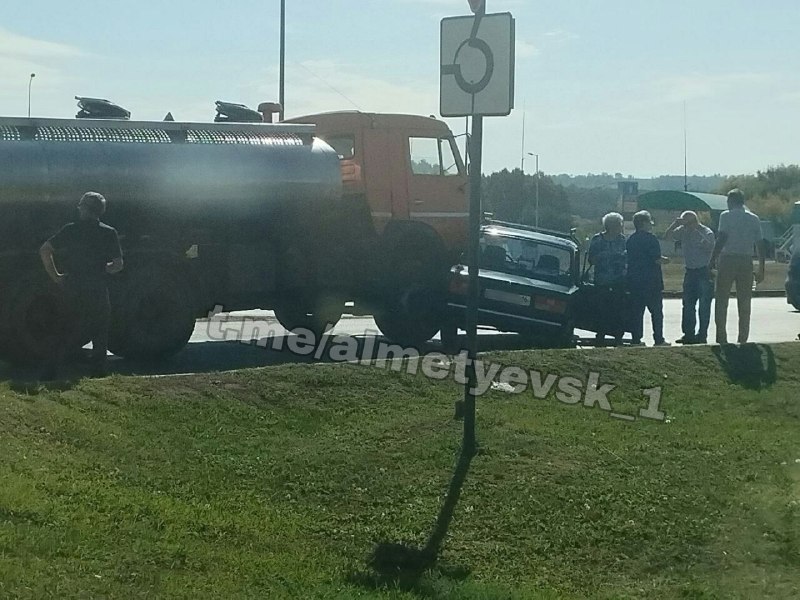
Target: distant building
[(627, 202)]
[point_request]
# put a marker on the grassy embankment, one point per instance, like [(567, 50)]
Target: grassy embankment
[(279, 482)]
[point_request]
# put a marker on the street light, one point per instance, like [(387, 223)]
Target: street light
[(30, 81), (281, 77), (537, 186)]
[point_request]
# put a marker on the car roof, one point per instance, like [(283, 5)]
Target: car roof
[(529, 234)]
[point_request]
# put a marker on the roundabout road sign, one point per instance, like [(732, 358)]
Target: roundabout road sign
[(477, 66)]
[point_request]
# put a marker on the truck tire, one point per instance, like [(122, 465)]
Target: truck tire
[(412, 317), (34, 312), (414, 301), (152, 314), (318, 314)]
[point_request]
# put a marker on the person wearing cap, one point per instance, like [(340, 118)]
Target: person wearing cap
[(697, 242), (88, 251), (739, 232), (606, 254), (645, 280)]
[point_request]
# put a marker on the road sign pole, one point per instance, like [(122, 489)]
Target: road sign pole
[(473, 251)]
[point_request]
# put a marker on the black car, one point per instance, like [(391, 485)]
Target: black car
[(530, 282)]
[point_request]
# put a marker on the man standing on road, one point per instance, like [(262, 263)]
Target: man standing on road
[(88, 250), (739, 232), (645, 279), (607, 256), (697, 242)]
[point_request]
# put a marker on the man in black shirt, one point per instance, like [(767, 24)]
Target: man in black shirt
[(88, 251), (645, 279)]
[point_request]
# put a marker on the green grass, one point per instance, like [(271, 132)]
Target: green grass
[(279, 482)]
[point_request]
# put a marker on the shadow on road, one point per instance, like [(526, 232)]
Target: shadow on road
[(215, 356), (750, 365)]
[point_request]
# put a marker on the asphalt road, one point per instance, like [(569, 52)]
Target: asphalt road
[(255, 339), (772, 321)]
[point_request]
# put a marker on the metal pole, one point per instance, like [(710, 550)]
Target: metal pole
[(281, 85), (473, 251), (685, 171), (30, 81), (537, 190), (469, 447), (522, 166)]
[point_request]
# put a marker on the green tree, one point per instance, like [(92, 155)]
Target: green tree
[(770, 193), (511, 196)]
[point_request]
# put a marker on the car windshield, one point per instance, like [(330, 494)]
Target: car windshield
[(527, 258)]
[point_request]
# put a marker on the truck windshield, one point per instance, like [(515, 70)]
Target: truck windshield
[(528, 258)]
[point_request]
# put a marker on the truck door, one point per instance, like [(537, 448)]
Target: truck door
[(437, 185)]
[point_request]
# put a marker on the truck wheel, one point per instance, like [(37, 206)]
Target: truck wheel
[(318, 315), (34, 315), (413, 316), (450, 339), (152, 315)]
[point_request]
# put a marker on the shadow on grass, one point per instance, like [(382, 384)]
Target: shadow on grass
[(750, 365), (34, 388), (395, 565)]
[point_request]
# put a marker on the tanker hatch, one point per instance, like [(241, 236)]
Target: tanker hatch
[(98, 108), (228, 112)]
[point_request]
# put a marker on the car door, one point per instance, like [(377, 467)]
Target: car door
[(591, 308)]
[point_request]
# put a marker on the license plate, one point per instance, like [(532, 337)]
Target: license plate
[(507, 297)]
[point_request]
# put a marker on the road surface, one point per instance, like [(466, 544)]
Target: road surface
[(255, 339), (772, 321)]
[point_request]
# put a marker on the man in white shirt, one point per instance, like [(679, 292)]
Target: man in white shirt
[(739, 233), (697, 243)]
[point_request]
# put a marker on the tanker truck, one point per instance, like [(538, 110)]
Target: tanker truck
[(238, 215)]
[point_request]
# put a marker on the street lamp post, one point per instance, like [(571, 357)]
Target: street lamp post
[(537, 187), (30, 81), (281, 83)]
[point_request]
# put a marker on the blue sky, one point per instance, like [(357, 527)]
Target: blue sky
[(602, 84)]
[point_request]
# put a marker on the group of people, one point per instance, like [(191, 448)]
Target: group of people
[(87, 251), (628, 273)]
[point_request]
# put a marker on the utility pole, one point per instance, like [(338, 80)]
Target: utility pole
[(685, 171), (537, 187)]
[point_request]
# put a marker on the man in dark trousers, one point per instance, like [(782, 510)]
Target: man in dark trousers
[(645, 280), (88, 251)]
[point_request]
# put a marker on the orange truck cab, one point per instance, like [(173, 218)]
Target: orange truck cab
[(405, 187)]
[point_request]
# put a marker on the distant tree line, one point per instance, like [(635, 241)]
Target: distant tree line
[(580, 201), (770, 194), (695, 183)]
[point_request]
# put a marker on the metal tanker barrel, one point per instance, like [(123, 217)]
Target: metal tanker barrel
[(208, 213), (200, 181)]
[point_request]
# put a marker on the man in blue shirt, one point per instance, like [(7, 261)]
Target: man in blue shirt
[(697, 242), (607, 256), (645, 280)]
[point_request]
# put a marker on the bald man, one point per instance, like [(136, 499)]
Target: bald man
[(697, 243)]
